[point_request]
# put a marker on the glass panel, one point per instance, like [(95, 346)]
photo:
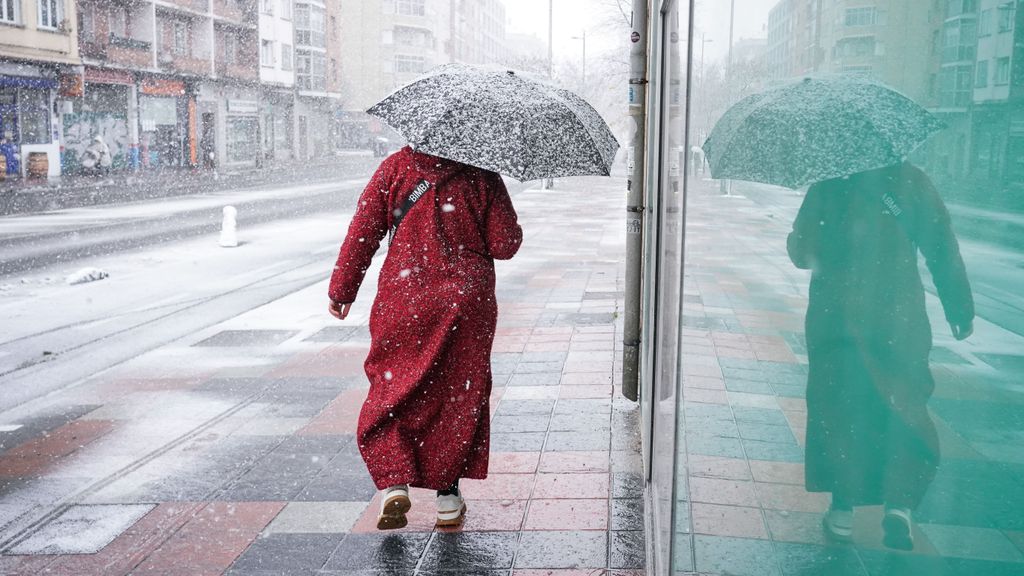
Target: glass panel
[(853, 330)]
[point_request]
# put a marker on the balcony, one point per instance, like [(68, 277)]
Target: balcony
[(130, 52), (237, 71), (200, 6), (183, 64), (237, 12)]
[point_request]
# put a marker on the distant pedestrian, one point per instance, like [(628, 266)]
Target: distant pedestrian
[(97, 157), (10, 154), (696, 160), (870, 438), (426, 420)]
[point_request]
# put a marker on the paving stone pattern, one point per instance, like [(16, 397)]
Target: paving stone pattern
[(232, 451)]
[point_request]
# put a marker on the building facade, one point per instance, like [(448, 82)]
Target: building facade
[(38, 48), (277, 79)]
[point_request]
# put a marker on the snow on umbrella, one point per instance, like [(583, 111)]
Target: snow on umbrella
[(501, 121), (816, 129)]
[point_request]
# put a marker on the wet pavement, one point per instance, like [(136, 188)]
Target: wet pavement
[(743, 508), (230, 450)]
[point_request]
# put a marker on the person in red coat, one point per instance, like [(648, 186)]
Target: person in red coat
[(426, 420)]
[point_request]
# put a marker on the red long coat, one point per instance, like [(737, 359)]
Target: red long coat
[(426, 419)]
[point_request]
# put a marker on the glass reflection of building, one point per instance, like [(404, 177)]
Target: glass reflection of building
[(738, 499)]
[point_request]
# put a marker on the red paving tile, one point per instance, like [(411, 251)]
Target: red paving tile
[(721, 491), (25, 565), (603, 391), (720, 520), (212, 539), (492, 516), (569, 462), (421, 517), (585, 379), (544, 572), (567, 514), (790, 497), (706, 396), (133, 545), (340, 416), (777, 472), (718, 467), (513, 462), (571, 486), (499, 487), (335, 360), (33, 457)]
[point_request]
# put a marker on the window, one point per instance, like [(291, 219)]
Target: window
[(267, 6), (117, 17), (387, 37), (1002, 71), (411, 7), (1006, 14), (86, 21), (286, 57), (985, 23), (981, 74), (286, 9), (180, 37), (409, 64), (50, 14), (9, 11), (310, 26), (859, 17), (854, 47), (230, 48), (267, 53), (34, 108), (310, 70)]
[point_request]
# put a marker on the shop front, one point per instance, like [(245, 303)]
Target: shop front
[(29, 132), (242, 144), (228, 126), (167, 124), (277, 126), (102, 108)]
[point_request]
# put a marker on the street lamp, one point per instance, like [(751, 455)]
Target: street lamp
[(584, 39)]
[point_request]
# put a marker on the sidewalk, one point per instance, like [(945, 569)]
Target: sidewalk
[(23, 196), (744, 509), (231, 451)]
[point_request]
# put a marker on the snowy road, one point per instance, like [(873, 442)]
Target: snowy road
[(178, 282)]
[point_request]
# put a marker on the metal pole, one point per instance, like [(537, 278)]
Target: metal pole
[(635, 156), (551, 38), (584, 62), (725, 185)]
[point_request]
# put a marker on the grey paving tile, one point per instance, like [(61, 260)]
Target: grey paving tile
[(235, 338), (469, 551), (385, 552), (766, 432), (337, 488), (564, 441), (682, 561), (626, 549), (627, 485), (520, 423), (517, 442), (543, 356), (627, 514), (576, 421), (323, 517), (583, 406), (735, 556), (758, 450), (715, 446), (287, 553), (750, 386), (519, 407), (320, 445), (332, 334), (536, 379), (762, 415), (549, 366), (562, 549), (82, 529), (808, 559), (888, 563)]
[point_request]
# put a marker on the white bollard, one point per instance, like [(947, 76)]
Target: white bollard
[(229, 228)]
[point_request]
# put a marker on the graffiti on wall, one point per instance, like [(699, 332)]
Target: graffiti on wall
[(81, 128)]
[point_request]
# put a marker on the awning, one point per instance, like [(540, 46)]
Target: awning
[(25, 82)]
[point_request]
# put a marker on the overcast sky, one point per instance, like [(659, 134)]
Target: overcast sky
[(572, 16)]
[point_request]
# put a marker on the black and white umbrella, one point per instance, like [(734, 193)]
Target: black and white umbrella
[(501, 121), (815, 129)]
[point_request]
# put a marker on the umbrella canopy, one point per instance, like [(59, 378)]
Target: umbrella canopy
[(816, 129), (501, 121)]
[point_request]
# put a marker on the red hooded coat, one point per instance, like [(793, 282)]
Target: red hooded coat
[(426, 420)]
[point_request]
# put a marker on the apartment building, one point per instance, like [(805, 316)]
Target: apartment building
[(38, 48)]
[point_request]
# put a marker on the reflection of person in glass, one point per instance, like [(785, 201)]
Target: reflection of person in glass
[(870, 439)]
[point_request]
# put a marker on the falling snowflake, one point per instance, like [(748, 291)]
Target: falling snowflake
[(388, 375)]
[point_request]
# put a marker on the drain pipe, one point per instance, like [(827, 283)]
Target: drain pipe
[(635, 155)]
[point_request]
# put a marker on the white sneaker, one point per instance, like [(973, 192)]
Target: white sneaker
[(451, 510), (896, 526), (838, 525), (394, 503)]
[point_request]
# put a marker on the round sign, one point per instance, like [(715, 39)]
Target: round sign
[(635, 36)]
